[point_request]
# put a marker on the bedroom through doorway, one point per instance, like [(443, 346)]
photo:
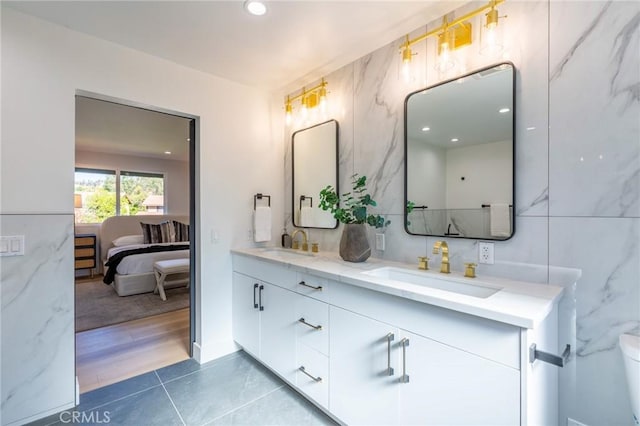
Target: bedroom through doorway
[(134, 213)]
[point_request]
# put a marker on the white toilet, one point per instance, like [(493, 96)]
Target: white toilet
[(630, 346)]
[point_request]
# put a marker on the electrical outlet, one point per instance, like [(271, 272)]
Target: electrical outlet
[(380, 242), (485, 253)]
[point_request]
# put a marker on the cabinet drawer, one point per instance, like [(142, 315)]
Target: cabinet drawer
[(85, 252), (317, 366), (489, 339), (312, 286), (85, 241), (85, 263), (269, 272), (314, 331)]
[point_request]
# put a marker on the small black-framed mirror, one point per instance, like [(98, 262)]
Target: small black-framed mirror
[(459, 156), (314, 156)]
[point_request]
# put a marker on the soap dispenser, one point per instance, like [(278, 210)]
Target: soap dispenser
[(286, 238)]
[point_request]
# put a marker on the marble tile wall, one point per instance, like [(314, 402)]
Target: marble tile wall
[(594, 189), (577, 168), (37, 317)]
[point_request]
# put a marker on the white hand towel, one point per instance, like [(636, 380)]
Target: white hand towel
[(500, 218), (262, 224), (306, 217)]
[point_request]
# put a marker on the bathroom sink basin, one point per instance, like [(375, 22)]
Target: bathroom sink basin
[(286, 253), (424, 279)]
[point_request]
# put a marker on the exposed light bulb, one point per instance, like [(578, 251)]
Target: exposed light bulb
[(322, 96), (406, 61), (288, 112), (492, 34)]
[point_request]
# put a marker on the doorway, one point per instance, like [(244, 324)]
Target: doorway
[(134, 164)]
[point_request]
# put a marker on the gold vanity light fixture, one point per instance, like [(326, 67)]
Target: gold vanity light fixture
[(453, 35), (309, 99)]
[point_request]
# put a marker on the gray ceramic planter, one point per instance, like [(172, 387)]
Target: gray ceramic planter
[(354, 245)]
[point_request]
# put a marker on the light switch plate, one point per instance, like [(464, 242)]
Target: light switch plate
[(12, 245)]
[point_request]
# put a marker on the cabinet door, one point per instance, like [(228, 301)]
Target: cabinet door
[(447, 386), (245, 315), (277, 330), (361, 390)]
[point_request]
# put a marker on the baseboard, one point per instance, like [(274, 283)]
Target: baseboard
[(213, 350)]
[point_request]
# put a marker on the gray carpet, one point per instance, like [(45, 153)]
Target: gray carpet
[(98, 304)]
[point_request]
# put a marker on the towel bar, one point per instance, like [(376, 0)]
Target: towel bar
[(557, 360)]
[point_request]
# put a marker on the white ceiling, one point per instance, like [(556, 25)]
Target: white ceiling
[(118, 129), (295, 40), (294, 43)]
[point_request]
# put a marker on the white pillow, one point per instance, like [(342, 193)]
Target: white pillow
[(127, 240)]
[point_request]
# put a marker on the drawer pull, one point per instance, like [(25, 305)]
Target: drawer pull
[(315, 327), (319, 288), (405, 377), (390, 338), (315, 379)]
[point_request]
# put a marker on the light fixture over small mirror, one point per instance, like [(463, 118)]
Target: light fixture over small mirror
[(315, 97)]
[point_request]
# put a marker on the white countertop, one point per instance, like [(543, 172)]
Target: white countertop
[(518, 303)]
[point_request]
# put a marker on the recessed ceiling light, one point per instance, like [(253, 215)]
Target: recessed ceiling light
[(504, 110), (426, 129), (168, 152), (255, 7), (455, 140), (531, 128)]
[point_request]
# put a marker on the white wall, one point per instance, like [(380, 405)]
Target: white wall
[(427, 172), (487, 173), (238, 155), (176, 174)]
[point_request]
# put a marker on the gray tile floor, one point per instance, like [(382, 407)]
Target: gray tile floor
[(233, 390)]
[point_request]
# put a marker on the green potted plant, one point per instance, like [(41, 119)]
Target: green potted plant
[(351, 209)]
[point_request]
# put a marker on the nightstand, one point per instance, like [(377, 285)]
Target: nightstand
[(85, 252)]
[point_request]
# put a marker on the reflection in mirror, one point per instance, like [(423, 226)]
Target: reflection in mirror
[(314, 153), (459, 152)]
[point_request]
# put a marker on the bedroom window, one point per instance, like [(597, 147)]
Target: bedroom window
[(141, 193), (100, 194)]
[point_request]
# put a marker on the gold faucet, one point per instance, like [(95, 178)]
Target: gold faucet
[(305, 240), (444, 266)]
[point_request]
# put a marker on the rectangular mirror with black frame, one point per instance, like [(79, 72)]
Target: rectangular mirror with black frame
[(459, 156), (314, 153)]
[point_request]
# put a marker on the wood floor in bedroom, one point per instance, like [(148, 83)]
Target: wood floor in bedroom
[(111, 354)]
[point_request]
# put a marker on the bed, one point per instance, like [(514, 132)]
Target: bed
[(134, 274)]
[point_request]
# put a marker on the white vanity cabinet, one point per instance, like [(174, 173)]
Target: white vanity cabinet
[(373, 358)]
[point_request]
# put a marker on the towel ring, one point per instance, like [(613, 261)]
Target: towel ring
[(306, 197), (260, 196)]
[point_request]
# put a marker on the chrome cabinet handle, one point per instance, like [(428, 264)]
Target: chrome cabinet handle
[(319, 288), (255, 304), (405, 377), (260, 297), (315, 327), (315, 379), (390, 338)]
